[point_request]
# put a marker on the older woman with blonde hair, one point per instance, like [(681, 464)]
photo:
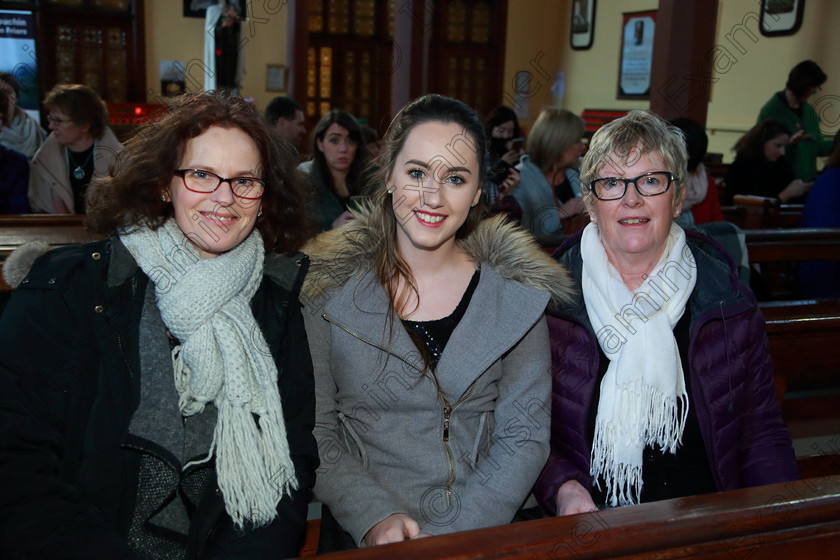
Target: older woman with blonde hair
[(548, 189), (663, 385)]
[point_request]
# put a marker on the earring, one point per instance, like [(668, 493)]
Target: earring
[(164, 198), (259, 213), (390, 190)]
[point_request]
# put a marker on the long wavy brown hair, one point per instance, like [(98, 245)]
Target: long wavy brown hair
[(390, 266), (130, 196)]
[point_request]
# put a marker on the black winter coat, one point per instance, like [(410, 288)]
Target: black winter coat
[(69, 385)]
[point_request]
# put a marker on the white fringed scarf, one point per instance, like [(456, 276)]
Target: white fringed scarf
[(643, 399), (224, 359)]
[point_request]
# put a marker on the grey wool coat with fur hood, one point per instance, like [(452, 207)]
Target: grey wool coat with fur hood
[(456, 453)]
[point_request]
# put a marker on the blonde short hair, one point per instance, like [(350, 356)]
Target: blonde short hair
[(554, 131), (629, 138)]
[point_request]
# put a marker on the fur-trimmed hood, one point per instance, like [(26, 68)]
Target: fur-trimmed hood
[(347, 252), (20, 261)]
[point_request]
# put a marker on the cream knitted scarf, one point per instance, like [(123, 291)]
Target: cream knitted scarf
[(643, 399), (224, 359)]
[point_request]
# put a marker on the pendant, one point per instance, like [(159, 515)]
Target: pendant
[(79, 173)]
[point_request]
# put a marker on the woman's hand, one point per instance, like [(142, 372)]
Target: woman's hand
[(573, 498), (512, 156), (797, 187), (342, 219), (507, 187), (570, 208), (799, 137), (394, 528)]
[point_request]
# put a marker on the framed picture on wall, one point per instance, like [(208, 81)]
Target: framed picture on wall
[(637, 30), (583, 24), (780, 17), (276, 77)]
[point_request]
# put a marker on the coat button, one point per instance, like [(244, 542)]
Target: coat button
[(96, 256), (99, 309)]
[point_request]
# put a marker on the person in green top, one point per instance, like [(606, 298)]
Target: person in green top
[(791, 107)]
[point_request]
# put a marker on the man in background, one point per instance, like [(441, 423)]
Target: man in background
[(285, 115)]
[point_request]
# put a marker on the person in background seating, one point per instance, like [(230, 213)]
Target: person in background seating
[(21, 132), (821, 279), (549, 188), (15, 167), (335, 172), (285, 115), (702, 202), (760, 168), (373, 143), (80, 147), (506, 143)]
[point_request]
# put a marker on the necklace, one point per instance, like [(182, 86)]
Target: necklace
[(79, 172)]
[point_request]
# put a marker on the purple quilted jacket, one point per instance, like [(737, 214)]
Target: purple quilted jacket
[(731, 381)]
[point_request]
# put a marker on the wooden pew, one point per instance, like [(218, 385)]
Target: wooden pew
[(56, 229), (804, 339), (796, 520), (776, 253), (759, 212)]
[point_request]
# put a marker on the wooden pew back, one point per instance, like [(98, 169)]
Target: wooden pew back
[(797, 520), (777, 252), (758, 212), (56, 230)]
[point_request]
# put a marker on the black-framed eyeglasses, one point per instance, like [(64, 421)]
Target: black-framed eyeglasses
[(201, 181), (649, 184)]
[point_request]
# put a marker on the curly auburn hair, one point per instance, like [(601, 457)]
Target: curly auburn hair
[(131, 195)]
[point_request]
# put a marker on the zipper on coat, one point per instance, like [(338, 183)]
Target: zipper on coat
[(124, 357), (372, 343), (447, 408), (447, 417), (447, 412)]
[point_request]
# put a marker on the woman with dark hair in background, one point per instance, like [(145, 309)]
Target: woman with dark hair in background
[(506, 144), (79, 148), (791, 107), (429, 343), (702, 203), (21, 132), (156, 390), (335, 170), (760, 168)]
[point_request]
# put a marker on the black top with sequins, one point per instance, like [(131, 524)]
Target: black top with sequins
[(431, 336)]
